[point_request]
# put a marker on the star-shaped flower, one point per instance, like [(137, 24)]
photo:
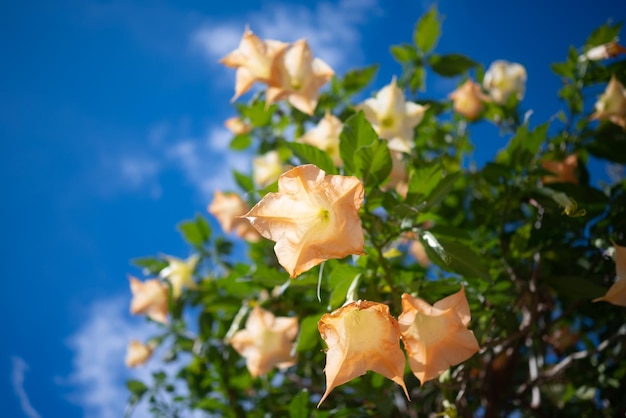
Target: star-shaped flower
[(392, 117), (617, 292), (137, 353), (180, 273), (436, 337), (467, 100), (312, 217), (504, 79), (266, 342), (228, 208), (612, 103), (150, 298), (563, 171), (254, 60), (361, 336), (299, 77), (325, 136)]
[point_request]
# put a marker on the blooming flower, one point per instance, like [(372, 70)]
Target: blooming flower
[(563, 171), (267, 168), (612, 103), (325, 136), (150, 298), (361, 336), (180, 273), (228, 208), (266, 341), (392, 117), (467, 100), (237, 126), (299, 77), (504, 79), (417, 250), (399, 176), (436, 337), (137, 353), (254, 60), (312, 217), (604, 51), (617, 293)]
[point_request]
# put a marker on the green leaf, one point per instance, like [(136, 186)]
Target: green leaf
[(427, 30), (605, 33), (339, 281), (258, 114), (150, 265), (355, 80), (609, 143), (464, 261), (313, 155), (574, 287), (309, 335), (422, 180), (240, 142), (136, 387), (450, 65), (439, 192), (373, 163), (404, 53), (299, 407), (196, 232), (243, 181)]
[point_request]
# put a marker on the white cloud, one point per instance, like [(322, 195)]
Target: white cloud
[(331, 29), (17, 380)]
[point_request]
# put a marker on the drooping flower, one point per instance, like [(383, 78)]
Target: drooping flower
[(399, 176), (267, 168), (254, 60), (563, 171), (504, 79), (312, 217), (228, 208), (137, 353), (392, 117), (149, 298), (237, 126), (436, 336), (617, 292), (180, 273), (361, 336), (417, 250), (612, 103), (299, 77), (467, 100), (602, 52), (266, 342), (325, 136)]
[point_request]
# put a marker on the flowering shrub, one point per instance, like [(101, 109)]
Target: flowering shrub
[(384, 273)]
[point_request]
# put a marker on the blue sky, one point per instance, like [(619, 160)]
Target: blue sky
[(111, 125)]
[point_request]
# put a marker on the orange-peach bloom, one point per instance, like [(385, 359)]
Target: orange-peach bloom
[(563, 171), (361, 336), (436, 336), (504, 79), (612, 103), (325, 136), (312, 217), (467, 100), (254, 60), (299, 77), (617, 292), (392, 117), (417, 250), (137, 353), (604, 51), (267, 168), (180, 273), (399, 176), (266, 342), (149, 298), (237, 126), (227, 209)]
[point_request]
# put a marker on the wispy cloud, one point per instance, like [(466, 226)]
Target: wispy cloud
[(17, 380)]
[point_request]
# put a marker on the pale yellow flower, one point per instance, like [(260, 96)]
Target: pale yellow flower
[(137, 353), (325, 136), (612, 103), (266, 342), (436, 337), (504, 79), (254, 60), (149, 298), (299, 77), (467, 100), (227, 209), (180, 273), (602, 52), (312, 217), (617, 292), (392, 117), (267, 168), (237, 126), (563, 171), (361, 336)]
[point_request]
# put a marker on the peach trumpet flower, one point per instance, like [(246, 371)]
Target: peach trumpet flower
[(227, 209), (436, 336), (137, 353), (361, 336), (237, 126), (267, 168), (612, 103), (312, 217), (617, 292), (180, 273), (266, 342), (563, 171), (325, 136), (467, 100), (150, 298)]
